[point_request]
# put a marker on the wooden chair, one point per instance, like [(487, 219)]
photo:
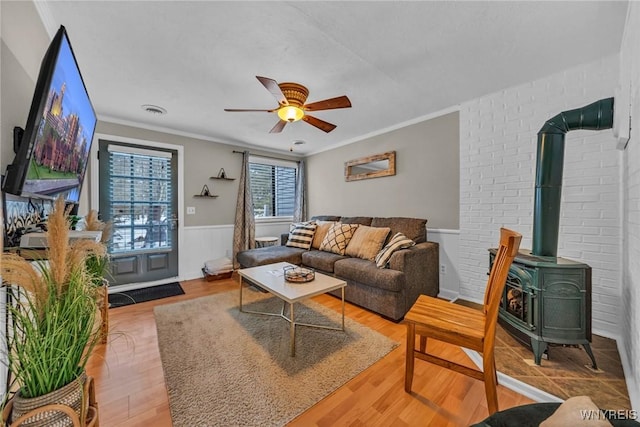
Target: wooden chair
[(463, 326)]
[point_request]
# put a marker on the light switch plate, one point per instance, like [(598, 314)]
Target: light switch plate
[(191, 210)]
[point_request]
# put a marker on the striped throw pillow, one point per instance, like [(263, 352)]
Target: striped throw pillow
[(397, 242), (301, 235)]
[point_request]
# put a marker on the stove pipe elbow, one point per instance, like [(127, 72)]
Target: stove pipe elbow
[(549, 167)]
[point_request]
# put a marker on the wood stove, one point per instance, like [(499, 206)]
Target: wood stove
[(547, 299)]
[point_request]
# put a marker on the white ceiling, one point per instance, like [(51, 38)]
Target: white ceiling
[(397, 61)]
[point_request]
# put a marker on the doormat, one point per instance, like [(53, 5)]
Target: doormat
[(135, 296)]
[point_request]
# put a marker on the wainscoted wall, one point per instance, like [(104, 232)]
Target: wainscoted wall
[(497, 160), (203, 243), (449, 261)]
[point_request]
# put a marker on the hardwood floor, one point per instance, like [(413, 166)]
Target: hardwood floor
[(131, 391)]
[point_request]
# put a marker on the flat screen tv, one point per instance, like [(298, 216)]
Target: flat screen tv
[(53, 152)]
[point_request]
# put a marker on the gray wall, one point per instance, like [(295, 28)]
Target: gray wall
[(24, 42), (202, 159), (426, 184)]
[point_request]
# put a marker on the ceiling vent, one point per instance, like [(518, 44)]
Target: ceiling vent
[(154, 109)]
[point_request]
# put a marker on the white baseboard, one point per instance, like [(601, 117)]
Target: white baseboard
[(633, 387), (448, 294)]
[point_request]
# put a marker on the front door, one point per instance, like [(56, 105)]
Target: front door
[(138, 194)]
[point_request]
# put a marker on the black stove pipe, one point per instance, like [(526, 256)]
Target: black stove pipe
[(549, 166)]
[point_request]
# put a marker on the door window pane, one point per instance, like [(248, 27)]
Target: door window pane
[(140, 194)]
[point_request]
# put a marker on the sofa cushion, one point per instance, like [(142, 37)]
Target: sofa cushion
[(269, 255), (338, 238), (413, 228), (363, 271), (397, 242), (321, 231), (362, 220), (321, 260), (367, 242), (301, 235)]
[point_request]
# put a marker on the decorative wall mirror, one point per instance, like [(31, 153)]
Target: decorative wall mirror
[(371, 166)]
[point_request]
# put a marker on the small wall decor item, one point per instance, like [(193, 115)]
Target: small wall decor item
[(205, 191), (375, 166), (222, 174)]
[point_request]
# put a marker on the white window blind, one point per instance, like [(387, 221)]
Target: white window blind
[(140, 194), (273, 187)]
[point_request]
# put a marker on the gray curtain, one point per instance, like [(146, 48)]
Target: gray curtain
[(244, 230), (300, 203)]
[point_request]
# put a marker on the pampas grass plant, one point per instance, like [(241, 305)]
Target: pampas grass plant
[(53, 309), (98, 264)]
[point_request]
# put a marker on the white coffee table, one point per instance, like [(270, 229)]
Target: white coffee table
[(271, 278)]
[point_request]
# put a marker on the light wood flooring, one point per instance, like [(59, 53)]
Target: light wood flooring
[(131, 391)]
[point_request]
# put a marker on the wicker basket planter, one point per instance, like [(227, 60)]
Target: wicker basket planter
[(70, 395)]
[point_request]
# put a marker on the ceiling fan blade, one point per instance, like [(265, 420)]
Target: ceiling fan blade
[(320, 124), (272, 86), (329, 104), (236, 110), (278, 127)]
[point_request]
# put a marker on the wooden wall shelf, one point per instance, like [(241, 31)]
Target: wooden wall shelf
[(222, 179), (202, 196)]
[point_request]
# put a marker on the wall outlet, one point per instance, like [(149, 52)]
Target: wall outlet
[(443, 269), (191, 210)]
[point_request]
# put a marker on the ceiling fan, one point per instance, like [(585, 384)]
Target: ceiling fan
[(291, 99)]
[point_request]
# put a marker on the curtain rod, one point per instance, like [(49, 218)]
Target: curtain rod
[(267, 157)]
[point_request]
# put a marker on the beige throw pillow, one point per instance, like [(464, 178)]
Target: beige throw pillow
[(579, 411), (321, 231), (367, 242), (338, 238)]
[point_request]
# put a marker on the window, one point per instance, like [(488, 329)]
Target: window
[(140, 193), (273, 187)]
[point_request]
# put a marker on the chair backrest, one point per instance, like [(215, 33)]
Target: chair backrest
[(508, 249)]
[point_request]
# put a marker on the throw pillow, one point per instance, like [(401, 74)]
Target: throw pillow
[(338, 238), (367, 242), (296, 224), (397, 242), (576, 412), (301, 235), (321, 232)]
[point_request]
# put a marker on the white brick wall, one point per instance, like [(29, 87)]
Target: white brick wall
[(630, 312), (498, 136)]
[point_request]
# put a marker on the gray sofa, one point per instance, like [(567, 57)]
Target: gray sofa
[(390, 291)]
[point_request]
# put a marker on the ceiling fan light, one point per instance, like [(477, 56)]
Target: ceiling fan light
[(290, 113)]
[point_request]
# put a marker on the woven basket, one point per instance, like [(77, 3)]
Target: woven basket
[(70, 395)]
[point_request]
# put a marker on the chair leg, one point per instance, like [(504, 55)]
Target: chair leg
[(423, 344), (490, 384), (410, 359)]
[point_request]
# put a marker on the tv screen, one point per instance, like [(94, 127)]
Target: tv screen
[(53, 153)]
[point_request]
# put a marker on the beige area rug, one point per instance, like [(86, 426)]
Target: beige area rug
[(226, 368)]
